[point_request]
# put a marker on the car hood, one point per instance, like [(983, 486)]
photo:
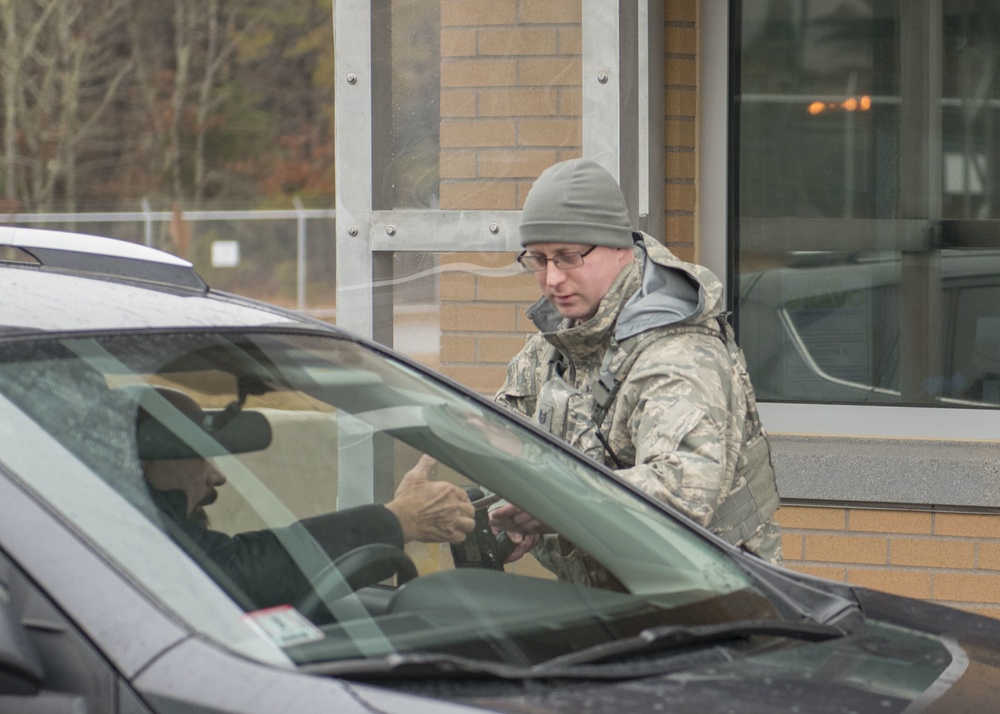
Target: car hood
[(906, 656)]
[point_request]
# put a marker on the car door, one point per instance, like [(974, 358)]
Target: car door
[(48, 664)]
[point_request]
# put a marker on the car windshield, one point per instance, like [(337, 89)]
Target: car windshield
[(297, 434)]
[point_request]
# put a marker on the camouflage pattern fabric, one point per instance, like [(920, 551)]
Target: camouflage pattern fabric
[(684, 422)]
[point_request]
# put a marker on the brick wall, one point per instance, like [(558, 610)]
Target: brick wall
[(950, 558), (680, 73), (510, 107)]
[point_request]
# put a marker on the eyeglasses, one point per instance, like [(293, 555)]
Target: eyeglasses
[(563, 261)]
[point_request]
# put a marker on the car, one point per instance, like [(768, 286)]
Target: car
[(828, 326), (111, 603)]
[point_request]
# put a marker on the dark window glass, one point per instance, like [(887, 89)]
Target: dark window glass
[(868, 269)]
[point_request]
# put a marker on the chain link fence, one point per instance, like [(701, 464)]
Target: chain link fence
[(286, 257)]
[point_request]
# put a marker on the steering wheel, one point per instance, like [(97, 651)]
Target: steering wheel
[(355, 569)]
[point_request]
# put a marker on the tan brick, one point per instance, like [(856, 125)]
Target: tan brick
[(820, 571), (570, 102), (551, 11), (477, 317), (485, 259), (518, 102), (679, 230), (478, 12), (680, 72), (512, 41), (520, 288), (929, 553), (550, 132), (456, 286), (827, 519), (683, 250), (680, 11), (681, 197), (515, 164), (458, 348), (565, 72), (791, 545), (481, 132), (681, 103), (907, 584), (681, 40), (960, 587), (680, 132), (846, 549), (681, 164), (966, 524), (499, 349), (485, 380), (988, 555), (524, 324), (985, 611), (570, 41), (479, 73), (880, 521), (458, 43), (522, 191), (477, 196), (459, 104), (458, 165)]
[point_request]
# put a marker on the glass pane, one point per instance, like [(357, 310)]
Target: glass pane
[(413, 179), (483, 98), (239, 446), (867, 262), (462, 313)]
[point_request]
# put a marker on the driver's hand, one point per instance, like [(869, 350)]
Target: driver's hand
[(431, 511)]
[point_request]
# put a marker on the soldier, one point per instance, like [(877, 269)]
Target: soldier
[(636, 366)]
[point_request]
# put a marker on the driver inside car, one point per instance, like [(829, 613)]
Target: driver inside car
[(258, 562)]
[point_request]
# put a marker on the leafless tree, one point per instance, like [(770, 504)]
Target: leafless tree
[(61, 71)]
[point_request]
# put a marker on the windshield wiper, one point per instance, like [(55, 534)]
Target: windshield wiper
[(419, 665), (573, 665), (668, 637)]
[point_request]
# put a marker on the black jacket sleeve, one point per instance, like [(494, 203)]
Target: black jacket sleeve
[(264, 566), (343, 531)]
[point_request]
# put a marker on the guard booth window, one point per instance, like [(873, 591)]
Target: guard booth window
[(867, 243)]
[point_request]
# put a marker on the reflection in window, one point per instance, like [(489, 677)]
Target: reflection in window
[(866, 270)]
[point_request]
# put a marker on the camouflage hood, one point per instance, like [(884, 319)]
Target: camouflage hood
[(671, 291), (661, 290)]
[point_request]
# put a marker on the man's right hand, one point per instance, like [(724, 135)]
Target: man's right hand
[(523, 529), (431, 511)]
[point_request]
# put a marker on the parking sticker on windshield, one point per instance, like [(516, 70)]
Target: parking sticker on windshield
[(283, 625)]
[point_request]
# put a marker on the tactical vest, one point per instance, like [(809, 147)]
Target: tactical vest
[(563, 410)]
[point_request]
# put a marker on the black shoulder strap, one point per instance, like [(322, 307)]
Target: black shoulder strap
[(609, 382)]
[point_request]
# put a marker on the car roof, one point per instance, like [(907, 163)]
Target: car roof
[(82, 282)]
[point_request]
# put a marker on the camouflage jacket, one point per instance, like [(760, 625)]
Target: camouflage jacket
[(683, 425)]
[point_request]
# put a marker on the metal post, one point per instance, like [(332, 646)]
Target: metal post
[(147, 222), (300, 254), (610, 92)]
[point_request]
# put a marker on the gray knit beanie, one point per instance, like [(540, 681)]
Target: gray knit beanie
[(576, 201)]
